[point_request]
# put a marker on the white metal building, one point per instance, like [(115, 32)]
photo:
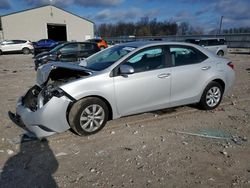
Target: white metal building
[(46, 22)]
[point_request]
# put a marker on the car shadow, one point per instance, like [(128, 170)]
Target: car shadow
[(174, 109), (165, 111), (33, 166)]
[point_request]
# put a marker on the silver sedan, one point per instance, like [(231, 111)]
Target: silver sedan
[(123, 80)]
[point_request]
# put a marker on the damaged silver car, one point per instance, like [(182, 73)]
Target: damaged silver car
[(123, 80)]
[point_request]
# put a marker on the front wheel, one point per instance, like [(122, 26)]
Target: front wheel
[(88, 116), (211, 96)]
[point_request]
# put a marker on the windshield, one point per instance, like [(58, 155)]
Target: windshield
[(57, 48), (106, 58)]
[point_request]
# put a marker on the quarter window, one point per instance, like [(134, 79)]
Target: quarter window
[(186, 55), (148, 59)]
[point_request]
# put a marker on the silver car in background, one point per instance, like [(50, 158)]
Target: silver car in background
[(215, 45), (123, 80)]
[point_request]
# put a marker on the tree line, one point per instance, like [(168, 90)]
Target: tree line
[(153, 27), (144, 27)]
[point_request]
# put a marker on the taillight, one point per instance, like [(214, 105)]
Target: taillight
[(230, 64)]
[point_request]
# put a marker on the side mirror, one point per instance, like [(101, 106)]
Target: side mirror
[(126, 69)]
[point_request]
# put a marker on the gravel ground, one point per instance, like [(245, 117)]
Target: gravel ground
[(168, 148)]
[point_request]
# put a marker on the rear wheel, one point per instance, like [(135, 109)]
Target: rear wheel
[(211, 96), (220, 53), (26, 50), (88, 116), (1, 52)]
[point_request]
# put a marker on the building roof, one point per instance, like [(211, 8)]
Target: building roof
[(48, 6)]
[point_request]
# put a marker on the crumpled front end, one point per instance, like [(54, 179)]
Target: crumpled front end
[(44, 110)]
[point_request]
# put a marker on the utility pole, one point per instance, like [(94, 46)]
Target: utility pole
[(221, 19)]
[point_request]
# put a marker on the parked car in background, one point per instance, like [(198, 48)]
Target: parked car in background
[(216, 45), (122, 80), (44, 45), (16, 46), (67, 52), (102, 44)]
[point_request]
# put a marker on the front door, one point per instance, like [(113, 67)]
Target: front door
[(148, 88)]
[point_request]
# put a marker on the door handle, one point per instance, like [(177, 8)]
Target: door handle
[(164, 75), (206, 67)]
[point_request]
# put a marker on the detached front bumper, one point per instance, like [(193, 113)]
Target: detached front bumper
[(47, 120)]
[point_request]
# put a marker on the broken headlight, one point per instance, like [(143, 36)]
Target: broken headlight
[(47, 93)]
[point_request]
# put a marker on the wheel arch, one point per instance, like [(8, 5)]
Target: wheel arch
[(110, 117), (221, 82), (217, 79), (220, 50)]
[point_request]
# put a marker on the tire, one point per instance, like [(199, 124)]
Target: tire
[(26, 51), (211, 97), (220, 53), (88, 116), (1, 52)]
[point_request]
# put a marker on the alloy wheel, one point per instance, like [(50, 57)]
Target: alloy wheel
[(92, 118), (213, 96)]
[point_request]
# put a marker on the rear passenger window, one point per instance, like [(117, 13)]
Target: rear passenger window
[(181, 55)]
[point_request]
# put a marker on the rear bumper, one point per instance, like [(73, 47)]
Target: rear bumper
[(46, 121)]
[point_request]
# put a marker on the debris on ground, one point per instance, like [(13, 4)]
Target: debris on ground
[(10, 152), (184, 143), (135, 132), (128, 149), (92, 170), (202, 134), (61, 154), (224, 153)]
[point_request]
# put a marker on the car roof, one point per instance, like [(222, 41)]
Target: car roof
[(139, 44), (205, 39)]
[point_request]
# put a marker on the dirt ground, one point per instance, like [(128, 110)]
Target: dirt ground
[(168, 148)]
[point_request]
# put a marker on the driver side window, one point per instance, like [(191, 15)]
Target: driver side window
[(148, 59)]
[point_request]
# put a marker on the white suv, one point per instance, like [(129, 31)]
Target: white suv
[(216, 45), (23, 46)]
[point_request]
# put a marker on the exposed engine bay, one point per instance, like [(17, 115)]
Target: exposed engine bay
[(49, 78)]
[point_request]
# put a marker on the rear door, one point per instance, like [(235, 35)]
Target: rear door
[(189, 73), (148, 88)]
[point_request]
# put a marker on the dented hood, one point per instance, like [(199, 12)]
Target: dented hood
[(60, 71)]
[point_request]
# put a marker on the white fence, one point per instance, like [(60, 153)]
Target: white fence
[(233, 40)]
